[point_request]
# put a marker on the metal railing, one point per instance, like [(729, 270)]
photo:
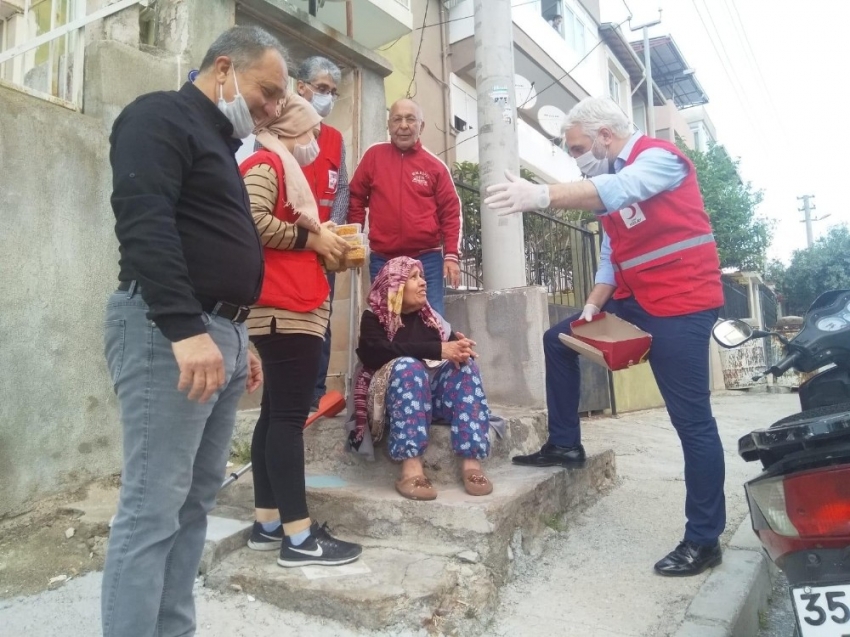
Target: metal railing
[(769, 306), (559, 256), (42, 46), (736, 302)]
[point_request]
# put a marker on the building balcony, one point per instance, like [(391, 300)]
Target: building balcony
[(551, 79), (374, 22)]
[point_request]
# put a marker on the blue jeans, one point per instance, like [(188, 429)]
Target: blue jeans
[(325, 361), (679, 361), (175, 452), (433, 264)]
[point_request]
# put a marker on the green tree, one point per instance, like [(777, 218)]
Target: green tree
[(548, 261), (824, 266), (742, 235)]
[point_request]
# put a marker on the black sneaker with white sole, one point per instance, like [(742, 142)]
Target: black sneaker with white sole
[(264, 540), (320, 549)]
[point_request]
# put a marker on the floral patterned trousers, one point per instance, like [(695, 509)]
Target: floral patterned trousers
[(452, 394)]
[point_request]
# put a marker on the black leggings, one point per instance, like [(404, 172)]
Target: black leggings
[(290, 367)]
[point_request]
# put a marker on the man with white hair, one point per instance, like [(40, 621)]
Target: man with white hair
[(659, 270)]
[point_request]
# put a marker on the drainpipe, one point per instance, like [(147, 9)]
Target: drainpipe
[(447, 110), (349, 18)]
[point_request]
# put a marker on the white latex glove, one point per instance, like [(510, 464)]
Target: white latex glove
[(517, 195), (589, 311)]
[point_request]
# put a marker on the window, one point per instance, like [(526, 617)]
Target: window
[(53, 68), (568, 25), (613, 86)]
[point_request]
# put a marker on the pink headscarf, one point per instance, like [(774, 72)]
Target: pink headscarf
[(387, 293)]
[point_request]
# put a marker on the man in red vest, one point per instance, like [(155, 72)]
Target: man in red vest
[(659, 270), (318, 79)]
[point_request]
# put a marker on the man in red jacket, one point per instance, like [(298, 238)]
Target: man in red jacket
[(414, 210), (659, 270)]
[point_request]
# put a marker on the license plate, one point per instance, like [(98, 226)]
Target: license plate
[(822, 611)]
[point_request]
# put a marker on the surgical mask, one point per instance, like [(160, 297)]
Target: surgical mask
[(236, 111), (322, 103), (590, 165), (306, 154)]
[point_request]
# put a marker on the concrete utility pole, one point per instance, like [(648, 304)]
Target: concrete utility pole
[(502, 240), (647, 63), (807, 211)]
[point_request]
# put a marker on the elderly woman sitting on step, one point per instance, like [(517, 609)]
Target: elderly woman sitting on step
[(414, 367)]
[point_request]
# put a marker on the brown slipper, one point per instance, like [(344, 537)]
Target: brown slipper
[(416, 488), (476, 483)]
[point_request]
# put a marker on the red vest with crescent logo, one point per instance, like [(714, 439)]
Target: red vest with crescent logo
[(294, 279), (663, 249), (323, 173)]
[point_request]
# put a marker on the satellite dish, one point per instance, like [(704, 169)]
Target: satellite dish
[(526, 94), (551, 118)]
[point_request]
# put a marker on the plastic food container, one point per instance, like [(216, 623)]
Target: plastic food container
[(348, 228), (358, 239), (356, 257)]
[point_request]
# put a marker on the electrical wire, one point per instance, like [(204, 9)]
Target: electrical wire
[(545, 88), (469, 17), (738, 22), (741, 101), (410, 95)]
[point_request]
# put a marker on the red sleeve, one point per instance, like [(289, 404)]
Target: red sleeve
[(449, 211), (359, 189)]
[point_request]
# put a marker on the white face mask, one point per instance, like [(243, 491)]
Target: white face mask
[(322, 103), (306, 154), (236, 111), (590, 165)]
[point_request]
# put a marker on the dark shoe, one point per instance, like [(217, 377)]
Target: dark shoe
[(263, 540), (321, 549), (553, 456), (315, 406), (689, 559)]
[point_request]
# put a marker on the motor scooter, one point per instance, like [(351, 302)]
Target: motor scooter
[(800, 503)]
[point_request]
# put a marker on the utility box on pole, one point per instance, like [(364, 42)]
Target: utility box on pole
[(502, 241)]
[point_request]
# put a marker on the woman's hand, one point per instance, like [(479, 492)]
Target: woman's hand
[(327, 243), (460, 351)]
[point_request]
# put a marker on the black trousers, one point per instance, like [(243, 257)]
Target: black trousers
[(290, 365)]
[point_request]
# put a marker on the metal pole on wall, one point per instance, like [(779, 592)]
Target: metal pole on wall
[(647, 63), (502, 241)]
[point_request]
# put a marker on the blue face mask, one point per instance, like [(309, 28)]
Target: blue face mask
[(236, 111), (590, 164), (322, 103)]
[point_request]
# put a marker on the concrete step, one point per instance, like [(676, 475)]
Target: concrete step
[(397, 587), (325, 448), (522, 499), (437, 564), (364, 503)]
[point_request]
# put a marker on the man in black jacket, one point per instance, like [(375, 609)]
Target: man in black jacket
[(176, 344)]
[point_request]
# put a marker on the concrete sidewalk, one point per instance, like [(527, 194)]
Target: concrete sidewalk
[(594, 578)]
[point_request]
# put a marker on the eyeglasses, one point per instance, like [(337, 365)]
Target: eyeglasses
[(324, 90), (410, 120)]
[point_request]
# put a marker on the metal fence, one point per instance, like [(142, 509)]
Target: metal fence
[(769, 306), (735, 300), (559, 256)]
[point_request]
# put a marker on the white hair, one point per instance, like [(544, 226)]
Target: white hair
[(593, 113)]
